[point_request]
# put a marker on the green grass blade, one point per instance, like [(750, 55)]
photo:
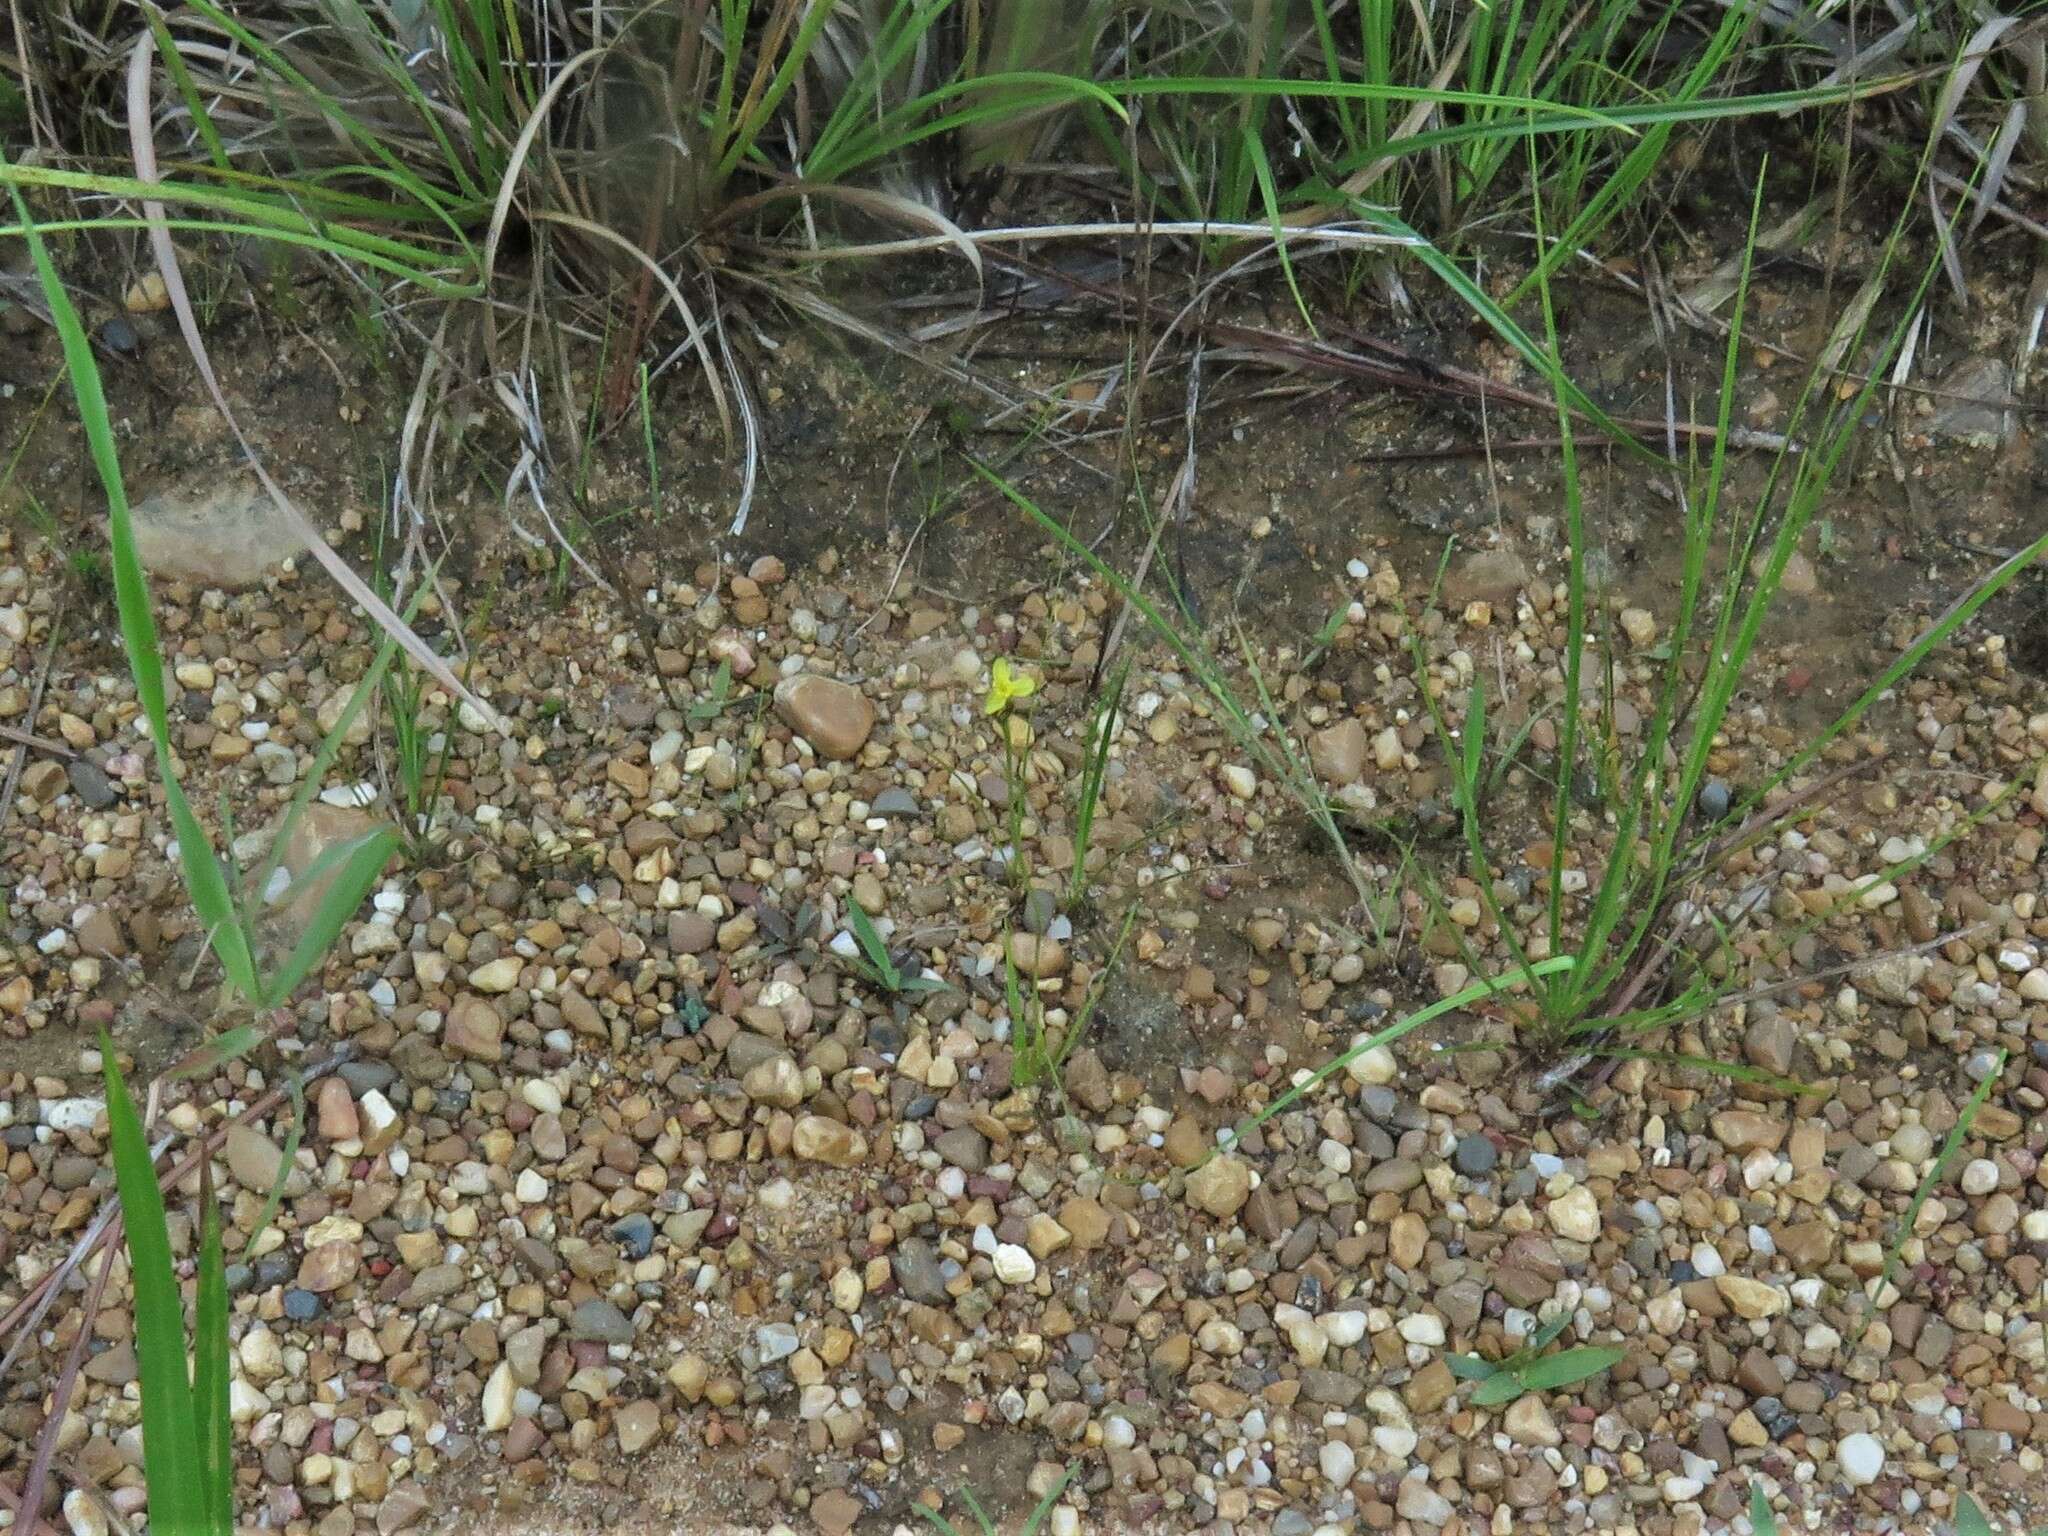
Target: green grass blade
[(1470, 1367), (1950, 1145), (1044, 1508), (1262, 174), (297, 1090), (170, 1441), (181, 77), (203, 875), (1970, 1519), (1624, 187), (210, 1365), (1541, 357), (362, 861), (1407, 1024)]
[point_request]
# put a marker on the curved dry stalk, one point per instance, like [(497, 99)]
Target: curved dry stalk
[(143, 149), (599, 232)]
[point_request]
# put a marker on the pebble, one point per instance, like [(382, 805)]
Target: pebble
[(832, 716), (599, 1321), (638, 1425), (775, 1341), (1339, 1463), (1861, 1458), (1575, 1214), (1221, 1186), (1475, 1156)]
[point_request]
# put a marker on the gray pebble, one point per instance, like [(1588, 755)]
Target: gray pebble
[(1475, 1156), (91, 784)]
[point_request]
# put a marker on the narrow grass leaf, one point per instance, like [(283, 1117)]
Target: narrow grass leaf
[(1970, 1519), (296, 1088), (1950, 1145), (1052, 1496), (1470, 1367), (170, 1437), (362, 860), (210, 1363)]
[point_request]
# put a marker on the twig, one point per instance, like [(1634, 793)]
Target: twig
[(106, 1224), (35, 703), (42, 744)]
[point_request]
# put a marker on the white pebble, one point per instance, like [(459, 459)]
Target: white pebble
[(1014, 1264), (1861, 1458), (1424, 1328), (1338, 1461)]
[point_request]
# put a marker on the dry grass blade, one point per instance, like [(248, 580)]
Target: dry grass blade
[(60, 1393), (654, 268), (144, 151)]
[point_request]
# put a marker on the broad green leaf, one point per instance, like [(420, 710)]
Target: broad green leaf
[(1470, 1367), (1501, 1387), (870, 941), (1547, 1332), (1970, 1519), (1571, 1365)]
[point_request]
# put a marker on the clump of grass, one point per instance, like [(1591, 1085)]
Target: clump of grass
[(985, 1525), (1528, 1369), (1034, 1062), (1629, 979)]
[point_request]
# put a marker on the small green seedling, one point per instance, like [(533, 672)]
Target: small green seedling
[(1094, 771), (877, 964), (1326, 637), (707, 709), (1529, 1370), (986, 1526)]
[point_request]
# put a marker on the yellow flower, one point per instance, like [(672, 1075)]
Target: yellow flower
[(1004, 685)]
